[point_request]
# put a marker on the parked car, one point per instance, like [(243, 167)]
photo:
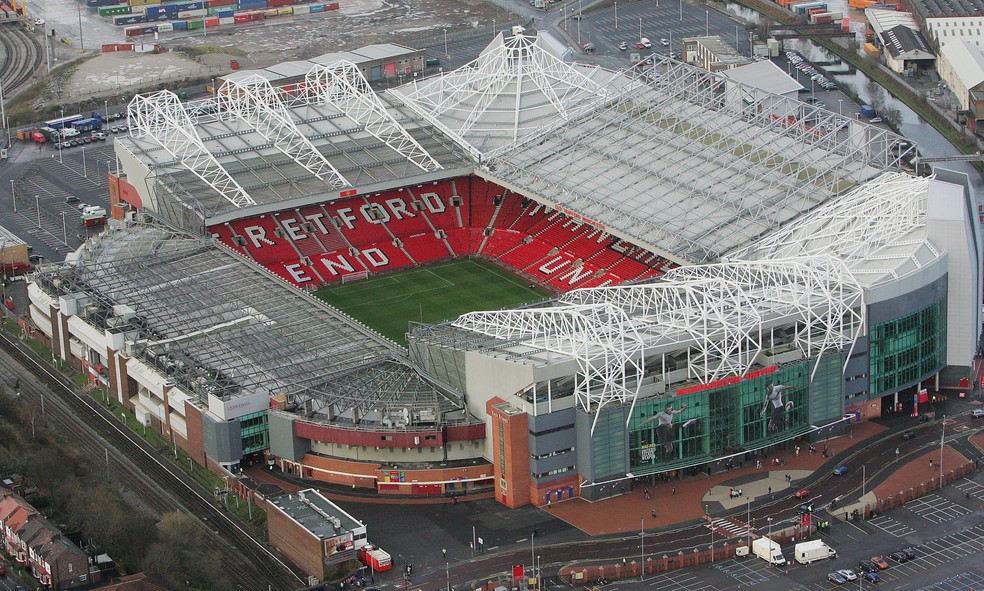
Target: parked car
[(848, 574), (875, 120), (664, 42), (879, 562), (840, 470), (899, 556), (836, 577), (38, 22), (866, 566), (910, 552), (589, 47), (623, 46), (802, 493), (977, 413), (72, 199), (3, 570), (871, 577), (909, 435)]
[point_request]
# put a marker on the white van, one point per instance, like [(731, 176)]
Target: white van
[(93, 210), (644, 43), (69, 132)]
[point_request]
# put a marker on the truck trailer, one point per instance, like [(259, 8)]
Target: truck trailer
[(807, 552), (769, 551)]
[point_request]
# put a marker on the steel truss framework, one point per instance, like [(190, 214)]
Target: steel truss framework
[(602, 339), (853, 228), (344, 87), (514, 87), (712, 165), (257, 102), (162, 117), (219, 325), (720, 312)]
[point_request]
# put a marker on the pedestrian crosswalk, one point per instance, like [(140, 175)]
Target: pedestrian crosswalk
[(730, 527)]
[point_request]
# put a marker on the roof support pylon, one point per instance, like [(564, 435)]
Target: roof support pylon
[(162, 117), (343, 86), (256, 101)]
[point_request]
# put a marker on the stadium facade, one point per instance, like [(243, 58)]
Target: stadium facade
[(729, 275)]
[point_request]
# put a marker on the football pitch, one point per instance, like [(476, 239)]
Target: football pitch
[(431, 294)]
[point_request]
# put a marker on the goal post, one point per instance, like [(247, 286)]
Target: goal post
[(350, 277)]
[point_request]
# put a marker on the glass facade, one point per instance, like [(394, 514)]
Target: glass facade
[(907, 349), (254, 431), (716, 422), (608, 447)]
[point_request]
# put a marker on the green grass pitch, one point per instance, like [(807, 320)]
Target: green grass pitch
[(430, 294)]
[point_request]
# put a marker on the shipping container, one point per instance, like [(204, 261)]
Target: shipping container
[(142, 2), (332, 6), (195, 25), (133, 31), (302, 9), (317, 8), (114, 10), (213, 3), (279, 3), (180, 25), (154, 11), (165, 28), (97, 3), (252, 4), (174, 8), (270, 12), (149, 30), (192, 13), (227, 20), (240, 18), (285, 10), (257, 16), (211, 22), (227, 13), (129, 19)]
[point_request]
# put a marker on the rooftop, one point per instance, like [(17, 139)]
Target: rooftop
[(316, 514), (765, 76)]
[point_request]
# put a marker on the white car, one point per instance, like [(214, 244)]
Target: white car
[(848, 574), (664, 42), (38, 22), (977, 413)]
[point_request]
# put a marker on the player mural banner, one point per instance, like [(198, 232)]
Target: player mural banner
[(719, 418)]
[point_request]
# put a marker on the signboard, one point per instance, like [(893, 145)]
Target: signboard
[(727, 381), (805, 520), (518, 570)]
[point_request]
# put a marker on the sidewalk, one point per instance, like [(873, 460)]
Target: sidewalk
[(696, 494)]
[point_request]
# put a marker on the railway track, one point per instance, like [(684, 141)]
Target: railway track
[(20, 57), (139, 470)]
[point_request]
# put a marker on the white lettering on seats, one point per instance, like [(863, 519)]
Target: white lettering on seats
[(297, 272), (257, 234), (333, 266), (551, 266), (367, 212), (433, 202), (575, 275), (292, 229), (345, 214), (399, 208), (315, 218), (375, 257)]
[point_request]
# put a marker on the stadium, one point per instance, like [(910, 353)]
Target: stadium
[(724, 275)]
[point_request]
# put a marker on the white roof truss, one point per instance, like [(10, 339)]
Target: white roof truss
[(343, 86), (162, 117), (254, 100), (600, 337)]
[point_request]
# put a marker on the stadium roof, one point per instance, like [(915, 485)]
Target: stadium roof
[(515, 87), (255, 144), (673, 163), (219, 325), (811, 274)]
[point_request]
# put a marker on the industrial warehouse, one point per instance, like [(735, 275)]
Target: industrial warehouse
[(728, 274)]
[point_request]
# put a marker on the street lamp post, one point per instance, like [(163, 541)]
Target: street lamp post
[(37, 203), (62, 136), (769, 519), (942, 441), (446, 54), (64, 230), (642, 548), (840, 105), (640, 27), (707, 23), (13, 196), (748, 521), (616, 15), (85, 171)]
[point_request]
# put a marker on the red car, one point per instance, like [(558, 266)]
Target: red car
[(802, 493)]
